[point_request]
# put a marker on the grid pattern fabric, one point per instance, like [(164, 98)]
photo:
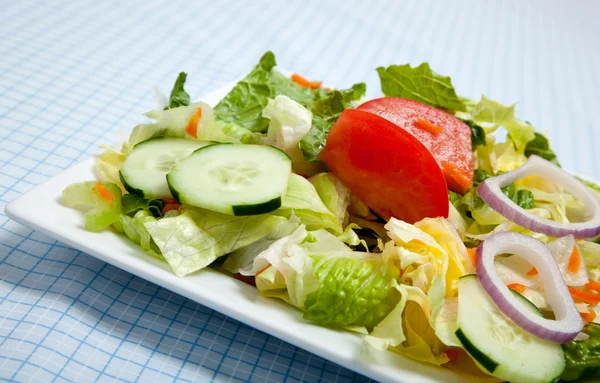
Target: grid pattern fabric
[(74, 73)]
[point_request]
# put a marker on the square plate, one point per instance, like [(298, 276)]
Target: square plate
[(41, 209)]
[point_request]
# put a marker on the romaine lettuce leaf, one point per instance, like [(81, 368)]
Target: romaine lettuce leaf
[(246, 101), (179, 97), (325, 113), (540, 147), (582, 356), (302, 199), (419, 84), (101, 213), (353, 290)]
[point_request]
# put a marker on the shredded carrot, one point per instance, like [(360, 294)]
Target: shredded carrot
[(168, 200), (574, 260), (306, 83), (261, 270), (589, 316), (583, 296), (472, 255), (103, 192), (427, 126), (170, 206), (533, 271), (192, 128), (593, 285), (517, 287)]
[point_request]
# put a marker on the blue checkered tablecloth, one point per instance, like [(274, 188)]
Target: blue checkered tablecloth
[(72, 73)]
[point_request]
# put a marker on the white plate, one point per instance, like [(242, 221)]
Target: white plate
[(40, 208)]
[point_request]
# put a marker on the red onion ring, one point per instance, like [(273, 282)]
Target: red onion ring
[(490, 192), (568, 322)]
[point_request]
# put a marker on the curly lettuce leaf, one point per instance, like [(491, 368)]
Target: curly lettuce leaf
[(420, 84), (493, 113), (302, 199), (101, 212), (179, 97)]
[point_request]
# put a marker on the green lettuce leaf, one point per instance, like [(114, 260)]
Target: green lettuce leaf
[(302, 199), (583, 356), (325, 113), (540, 147), (493, 113), (195, 238), (244, 104), (478, 137), (134, 229), (100, 212), (185, 247), (179, 97), (353, 290), (108, 164), (172, 123), (242, 260), (132, 203), (231, 232), (419, 84), (333, 194)]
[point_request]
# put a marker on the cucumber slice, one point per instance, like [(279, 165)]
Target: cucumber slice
[(143, 172), (499, 346), (234, 179)]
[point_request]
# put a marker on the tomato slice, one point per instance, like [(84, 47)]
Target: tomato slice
[(446, 137), (386, 167)]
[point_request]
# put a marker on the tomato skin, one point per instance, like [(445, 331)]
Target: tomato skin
[(451, 146), (386, 167)]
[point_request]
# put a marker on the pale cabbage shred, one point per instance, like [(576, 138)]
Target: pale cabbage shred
[(430, 254)]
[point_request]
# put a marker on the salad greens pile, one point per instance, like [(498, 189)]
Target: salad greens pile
[(323, 250)]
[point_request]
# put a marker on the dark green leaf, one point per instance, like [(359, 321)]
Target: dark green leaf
[(179, 97), (454, 198), (132, 203), (524, 198), (244, 104), (477, 134), (480, 176), (583, 356), (325, 113), (420, 84), (540, 147)]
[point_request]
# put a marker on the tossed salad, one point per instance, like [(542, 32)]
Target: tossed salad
[(403, 218)]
